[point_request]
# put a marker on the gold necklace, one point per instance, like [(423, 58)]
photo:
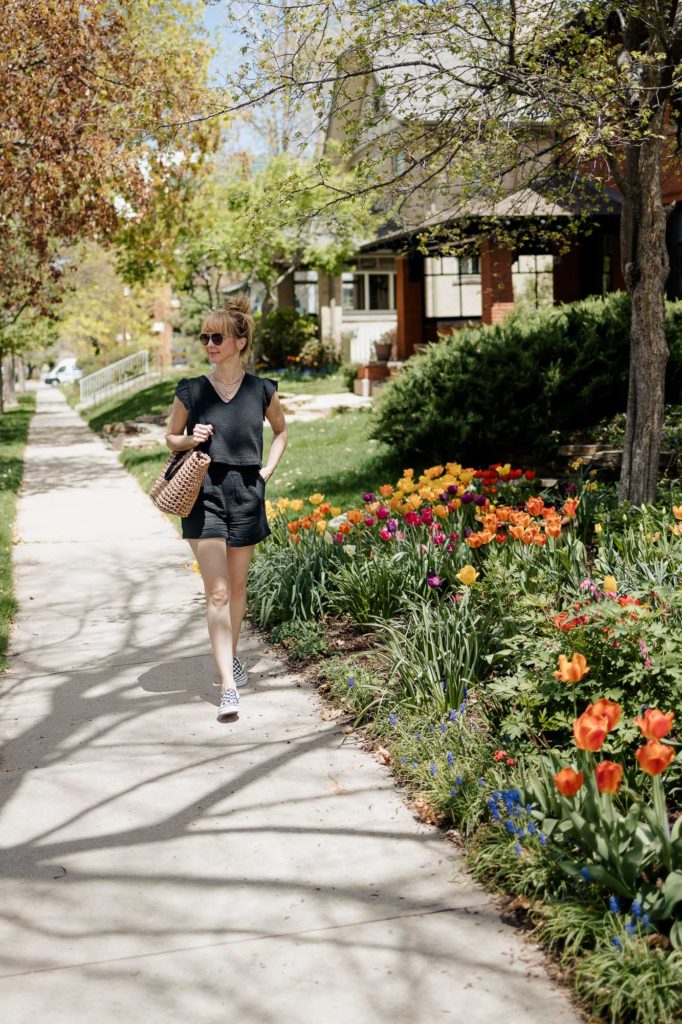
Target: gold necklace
[(228, 388)]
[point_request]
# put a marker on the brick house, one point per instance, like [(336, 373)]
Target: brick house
[(391, 286)]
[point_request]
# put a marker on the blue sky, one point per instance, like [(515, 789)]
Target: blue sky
[(228, 56)]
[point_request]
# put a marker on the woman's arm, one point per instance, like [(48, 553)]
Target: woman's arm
[(275, 417), (176, 438)]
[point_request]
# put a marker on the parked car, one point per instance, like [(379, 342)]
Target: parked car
[(65, 372)]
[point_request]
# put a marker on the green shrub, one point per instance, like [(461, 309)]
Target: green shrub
[(303, 638), (517, 390), (283, 335), (318, 355)]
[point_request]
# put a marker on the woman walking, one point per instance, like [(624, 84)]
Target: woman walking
[(223, 411)]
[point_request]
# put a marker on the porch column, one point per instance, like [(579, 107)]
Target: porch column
[(409, 302), (496, 283), (566, 275)]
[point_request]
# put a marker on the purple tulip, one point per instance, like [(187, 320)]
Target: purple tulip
[(452, 489), (433, 580), (368, 497), (392, 525), (467, 497), (479, 500)]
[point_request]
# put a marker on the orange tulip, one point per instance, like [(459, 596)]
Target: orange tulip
[(655, 724), (345, 528), (503, 513), (540, 540), (606, 707), (354, 516), (516, 532), (441, 511), (572, 671), (590, 731), (535, 506), (553, 527), (568, 781), (570, 507), (474, 540), (655, 757), (520, 519), (609, 776)]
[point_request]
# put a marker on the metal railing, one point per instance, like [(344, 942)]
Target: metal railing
[(115, 377)]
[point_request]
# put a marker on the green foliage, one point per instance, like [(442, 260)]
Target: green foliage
[(631, 985), (284, 335), (349, 373), (318, 355), (519, 388), (368, 590), (435, 653), (303, 638), (14, 425), (289, 583)]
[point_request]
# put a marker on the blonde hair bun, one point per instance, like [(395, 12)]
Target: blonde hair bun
[(239, 303)]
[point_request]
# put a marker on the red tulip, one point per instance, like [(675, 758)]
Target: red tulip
[(590, 731), (609, 708), (655, 724), (568, 781), (655, 757), (609, 776)]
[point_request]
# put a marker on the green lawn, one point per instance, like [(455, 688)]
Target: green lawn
[(13, 433)]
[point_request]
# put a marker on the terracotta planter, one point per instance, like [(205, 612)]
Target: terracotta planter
[(372, 371), (383, 351)]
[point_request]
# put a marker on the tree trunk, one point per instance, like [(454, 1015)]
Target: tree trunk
[(266, 308), (645, 268)]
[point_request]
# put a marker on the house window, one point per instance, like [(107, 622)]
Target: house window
[(452, 286), (306, 294), (368, 290), (532, 280)]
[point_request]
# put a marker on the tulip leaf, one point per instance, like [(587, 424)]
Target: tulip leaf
[(600, 874), (676, 935), (671, 891)]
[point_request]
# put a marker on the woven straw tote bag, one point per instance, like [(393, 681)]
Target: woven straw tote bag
[(177, 486)]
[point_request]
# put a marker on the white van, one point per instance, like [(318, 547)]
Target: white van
[(65, 372)]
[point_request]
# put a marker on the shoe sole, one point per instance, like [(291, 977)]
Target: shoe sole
[(222, 715)]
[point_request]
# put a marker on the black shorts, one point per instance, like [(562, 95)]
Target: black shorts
[(231, 504)]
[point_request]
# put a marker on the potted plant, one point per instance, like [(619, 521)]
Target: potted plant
[(384, 344)]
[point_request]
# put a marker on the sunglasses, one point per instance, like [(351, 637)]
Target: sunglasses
[(215, 339)]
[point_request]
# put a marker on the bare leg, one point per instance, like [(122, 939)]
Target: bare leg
[(238, 561), (211, 554)]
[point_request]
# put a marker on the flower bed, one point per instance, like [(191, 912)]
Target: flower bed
[(524, 678)]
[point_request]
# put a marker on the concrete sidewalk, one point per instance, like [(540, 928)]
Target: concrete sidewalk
[(159, 866)]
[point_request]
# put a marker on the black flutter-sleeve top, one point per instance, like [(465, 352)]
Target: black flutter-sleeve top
[(237, 424)]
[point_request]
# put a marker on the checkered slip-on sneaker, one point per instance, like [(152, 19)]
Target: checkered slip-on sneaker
[(229, 704), (239, 673)]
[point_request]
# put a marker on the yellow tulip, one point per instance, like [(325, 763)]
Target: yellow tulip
[(296, 504), (598, 528), (335, 510), (467, 575), (610, 586), (677, 511), (316, 499)]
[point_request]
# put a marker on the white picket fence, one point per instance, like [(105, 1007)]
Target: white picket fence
[(125, 374)]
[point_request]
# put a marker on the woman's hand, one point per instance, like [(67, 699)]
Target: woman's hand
[(265, 474), (202, 432)]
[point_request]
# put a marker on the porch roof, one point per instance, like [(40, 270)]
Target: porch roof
[(525, 204)]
